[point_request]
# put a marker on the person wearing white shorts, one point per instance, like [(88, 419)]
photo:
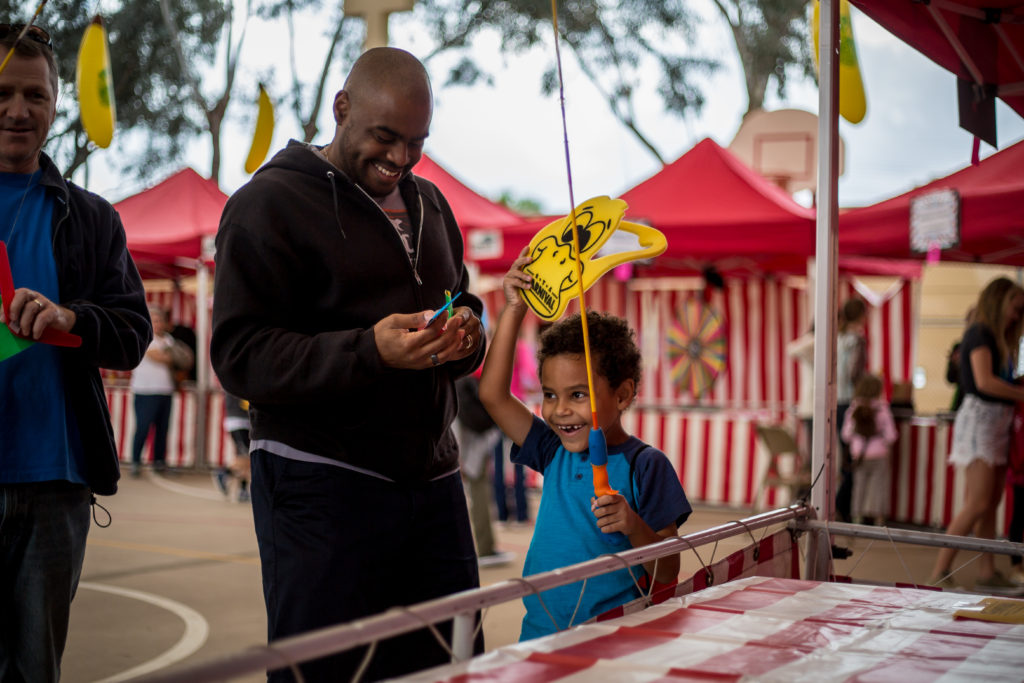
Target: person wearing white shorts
[(981, 430)]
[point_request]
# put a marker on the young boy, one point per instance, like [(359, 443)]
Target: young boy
[(572, 526)]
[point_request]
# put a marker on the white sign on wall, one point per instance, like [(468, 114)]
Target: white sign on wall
[(484, 244), (935, 221)]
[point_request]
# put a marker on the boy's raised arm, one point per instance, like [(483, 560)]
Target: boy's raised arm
[(506, 410)]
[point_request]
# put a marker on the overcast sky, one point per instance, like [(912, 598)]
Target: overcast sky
[(507, 137)]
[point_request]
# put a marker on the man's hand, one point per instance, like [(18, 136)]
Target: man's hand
[(401, 345), (31, 313)]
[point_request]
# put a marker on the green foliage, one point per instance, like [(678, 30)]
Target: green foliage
[(773, 38), (148, 86), (615, 44), (344, 41), (522, 205)]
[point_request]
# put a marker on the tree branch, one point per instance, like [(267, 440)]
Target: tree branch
[(611, 100), (309, 127), (186, 72)]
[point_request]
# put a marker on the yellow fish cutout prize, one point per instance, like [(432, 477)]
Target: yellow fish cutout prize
[(853, 104), (553, 267)]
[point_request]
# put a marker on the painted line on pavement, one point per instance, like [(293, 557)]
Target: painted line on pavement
[(173, 487), (196, 630)]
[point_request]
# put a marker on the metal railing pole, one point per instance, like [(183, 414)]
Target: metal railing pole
[(463, 629), (928, 538)]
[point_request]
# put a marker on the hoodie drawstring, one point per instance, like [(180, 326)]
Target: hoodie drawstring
[(334, 196)]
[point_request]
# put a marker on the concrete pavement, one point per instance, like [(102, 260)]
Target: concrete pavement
[(176, 577)]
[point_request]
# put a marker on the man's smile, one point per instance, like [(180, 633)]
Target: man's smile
[(386, 172)]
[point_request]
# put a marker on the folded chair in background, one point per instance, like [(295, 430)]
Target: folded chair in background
[(787, 467)]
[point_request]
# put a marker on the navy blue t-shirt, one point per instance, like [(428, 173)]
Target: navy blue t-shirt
[(980, 336)]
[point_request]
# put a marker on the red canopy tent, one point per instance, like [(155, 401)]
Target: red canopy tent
[(167, 223), (471, 210), (981, 41), (991, 215), (712, 208)]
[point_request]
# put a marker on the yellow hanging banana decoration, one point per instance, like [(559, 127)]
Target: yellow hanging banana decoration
[(95, 84), (263, 133), (852, 102)]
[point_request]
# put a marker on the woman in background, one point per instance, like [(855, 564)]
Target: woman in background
[(981, 430)]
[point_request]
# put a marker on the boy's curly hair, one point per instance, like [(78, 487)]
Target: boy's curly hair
[(612, 345)]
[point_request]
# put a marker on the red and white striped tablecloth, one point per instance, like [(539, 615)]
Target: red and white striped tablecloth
[(769, 629)]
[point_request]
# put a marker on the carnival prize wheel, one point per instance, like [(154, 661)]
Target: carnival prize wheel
[(696, 347)]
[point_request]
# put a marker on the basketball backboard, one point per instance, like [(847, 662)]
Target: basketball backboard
[(782, 146)]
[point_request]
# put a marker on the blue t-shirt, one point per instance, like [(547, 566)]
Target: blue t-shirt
[(39, 439), (566, 531)]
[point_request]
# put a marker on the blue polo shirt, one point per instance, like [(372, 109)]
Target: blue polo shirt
[(566, 530), (39, 439)]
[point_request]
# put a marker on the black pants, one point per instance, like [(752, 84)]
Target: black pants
[(337, 545), (43, 530), (1016, 533), (152, 411), (844, 494)]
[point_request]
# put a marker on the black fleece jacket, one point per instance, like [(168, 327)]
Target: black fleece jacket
[(306, 264), (98, 280)]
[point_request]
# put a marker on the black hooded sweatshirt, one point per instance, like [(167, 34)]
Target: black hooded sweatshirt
[(306, 264)]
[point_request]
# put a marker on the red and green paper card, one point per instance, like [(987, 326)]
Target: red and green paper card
[(11, 342)]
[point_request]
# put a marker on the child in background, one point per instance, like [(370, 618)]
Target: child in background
[(572, 526), (851, 364), (236, 423), (870, 431)]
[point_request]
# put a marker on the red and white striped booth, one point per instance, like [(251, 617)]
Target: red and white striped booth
[(185, 423), (182, 436), (711, 442)]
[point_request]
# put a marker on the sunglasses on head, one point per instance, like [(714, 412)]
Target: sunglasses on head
[(33, 33)]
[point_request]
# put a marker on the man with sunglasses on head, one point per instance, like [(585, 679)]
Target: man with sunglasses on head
[(330, 263), (72, 273)]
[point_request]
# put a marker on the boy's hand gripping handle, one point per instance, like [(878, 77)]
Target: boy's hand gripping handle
[(599, 465)]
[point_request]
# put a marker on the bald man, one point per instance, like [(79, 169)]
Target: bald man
[(330, 263)]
